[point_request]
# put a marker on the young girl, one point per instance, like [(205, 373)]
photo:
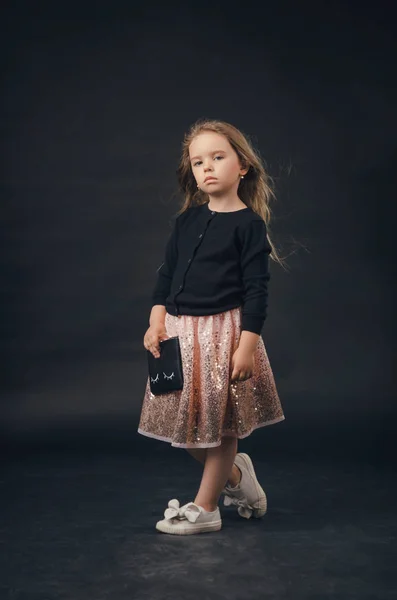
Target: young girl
[(211, 291)]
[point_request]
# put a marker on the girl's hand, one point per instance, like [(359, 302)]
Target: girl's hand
[(242, 364), (153, 336)]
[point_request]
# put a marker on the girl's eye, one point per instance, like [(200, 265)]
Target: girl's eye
[(199, 161)]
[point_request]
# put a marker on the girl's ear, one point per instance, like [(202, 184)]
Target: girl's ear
[(244, 166), (244, 169)]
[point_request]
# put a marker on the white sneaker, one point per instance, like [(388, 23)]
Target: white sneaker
[(188, 519), (248, 495)]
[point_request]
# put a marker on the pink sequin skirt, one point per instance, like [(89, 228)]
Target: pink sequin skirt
[(209, 406)]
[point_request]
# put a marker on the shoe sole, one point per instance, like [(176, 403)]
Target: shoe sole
[(192, 529), (260, 507)]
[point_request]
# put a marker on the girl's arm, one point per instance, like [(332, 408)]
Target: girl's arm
[(157, 315), (248, 341), (255, 275), (166, 269)]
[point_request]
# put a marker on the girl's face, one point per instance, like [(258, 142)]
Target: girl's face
[(212, 156)]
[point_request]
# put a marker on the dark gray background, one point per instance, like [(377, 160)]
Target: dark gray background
[(95, 101)]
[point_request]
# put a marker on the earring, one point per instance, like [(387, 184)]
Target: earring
[(242, 177)]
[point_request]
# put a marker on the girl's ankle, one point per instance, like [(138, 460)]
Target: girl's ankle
[(208, 507), (236, 477)]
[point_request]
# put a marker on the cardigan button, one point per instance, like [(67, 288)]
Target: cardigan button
[(201, 235), (190, 260)]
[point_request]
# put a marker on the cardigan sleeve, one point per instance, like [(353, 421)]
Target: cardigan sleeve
[(166, 269), (254, 262)]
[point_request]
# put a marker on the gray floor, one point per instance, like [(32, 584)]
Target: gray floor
[(81, 525)]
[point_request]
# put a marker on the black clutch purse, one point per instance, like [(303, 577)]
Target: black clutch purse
[(165, 372)]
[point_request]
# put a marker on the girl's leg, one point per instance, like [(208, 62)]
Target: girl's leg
[(217, 469), (200, 454)]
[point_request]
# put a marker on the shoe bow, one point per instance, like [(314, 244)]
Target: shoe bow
[(243, 508), (189, 511)]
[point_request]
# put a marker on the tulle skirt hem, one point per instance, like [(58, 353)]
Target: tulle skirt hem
[(213, 444)]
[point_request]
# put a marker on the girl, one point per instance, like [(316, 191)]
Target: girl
[(211, 291)]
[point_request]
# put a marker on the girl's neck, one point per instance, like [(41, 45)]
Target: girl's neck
[(225, 204)]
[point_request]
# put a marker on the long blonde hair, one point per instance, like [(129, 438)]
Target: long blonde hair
[(255, 190)]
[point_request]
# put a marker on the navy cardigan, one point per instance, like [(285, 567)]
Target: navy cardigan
[(216, 261)]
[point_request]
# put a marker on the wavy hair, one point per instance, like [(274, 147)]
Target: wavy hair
[(255, 190)]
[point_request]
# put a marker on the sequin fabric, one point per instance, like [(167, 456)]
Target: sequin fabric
[(209, 406)]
